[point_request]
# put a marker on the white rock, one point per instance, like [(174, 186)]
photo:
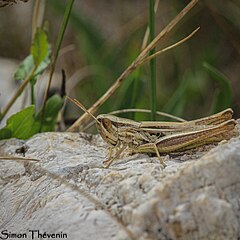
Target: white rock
[(194, 199)]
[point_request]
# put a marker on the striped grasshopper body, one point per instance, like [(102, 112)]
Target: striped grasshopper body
[(123, 134), (162, 137)]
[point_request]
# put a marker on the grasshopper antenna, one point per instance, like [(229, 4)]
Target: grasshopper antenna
[(76, 102)]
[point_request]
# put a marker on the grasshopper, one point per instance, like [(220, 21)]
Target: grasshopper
[(123, 134)]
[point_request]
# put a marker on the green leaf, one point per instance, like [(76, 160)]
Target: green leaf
[(24, 124), (27, 65), (223, 95), (40, 47), (21, 125), (24, 68), (52, 108), (5, 133), (44, 64)]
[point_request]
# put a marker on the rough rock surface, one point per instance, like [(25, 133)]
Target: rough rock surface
[(4, 3), (197, 196)]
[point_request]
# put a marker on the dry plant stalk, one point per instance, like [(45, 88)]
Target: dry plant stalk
[(15, 158), (139, 110), (83, 120)]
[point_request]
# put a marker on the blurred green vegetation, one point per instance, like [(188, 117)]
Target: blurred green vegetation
[(197, 78)]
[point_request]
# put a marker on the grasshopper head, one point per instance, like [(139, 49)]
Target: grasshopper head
[(107, 129)]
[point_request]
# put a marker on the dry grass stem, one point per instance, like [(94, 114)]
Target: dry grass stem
[(138, 110), (84, 119), (13, 158), (147, 111), (170, 47)]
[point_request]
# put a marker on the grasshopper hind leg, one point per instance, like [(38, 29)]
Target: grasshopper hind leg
[(110, 152), (158, 155), (152, 147)]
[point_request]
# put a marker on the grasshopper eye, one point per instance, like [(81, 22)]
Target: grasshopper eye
[(106, 123)]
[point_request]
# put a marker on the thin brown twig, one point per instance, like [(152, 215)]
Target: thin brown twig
[(17, 93), (170, 47), (13, 158), (83, 120), (147, 111), (35, 17), (137, 110), (38, 14)]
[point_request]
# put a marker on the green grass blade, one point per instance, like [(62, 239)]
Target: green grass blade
[(62, 29), (152, 62), (58, 45)]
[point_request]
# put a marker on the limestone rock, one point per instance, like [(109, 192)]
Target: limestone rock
[(197, 196), (4, 3)]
